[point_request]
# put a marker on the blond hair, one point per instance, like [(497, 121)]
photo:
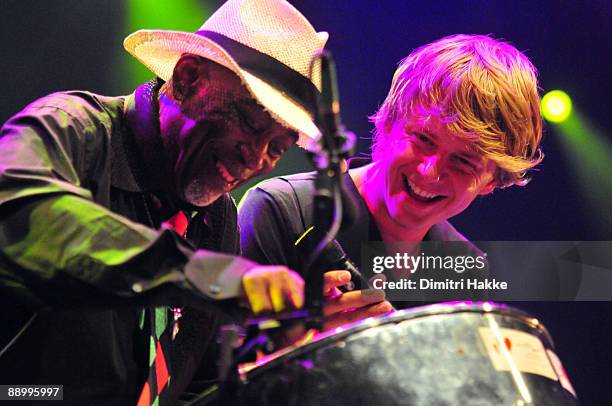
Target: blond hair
[(482, 89)]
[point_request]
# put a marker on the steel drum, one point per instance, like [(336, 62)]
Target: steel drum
[(444, 354)]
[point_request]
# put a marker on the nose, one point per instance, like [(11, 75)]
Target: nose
[(253, 156), (429, 168)]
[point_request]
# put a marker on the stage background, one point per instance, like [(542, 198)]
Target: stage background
[(76, 44)]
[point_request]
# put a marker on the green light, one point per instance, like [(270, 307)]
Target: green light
[(556, 106), (179, 15)]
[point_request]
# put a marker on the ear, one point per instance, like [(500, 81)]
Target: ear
[(189, 72), (488, 188)]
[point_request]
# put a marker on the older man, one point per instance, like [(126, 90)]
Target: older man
[(461, 119), (117, 228)]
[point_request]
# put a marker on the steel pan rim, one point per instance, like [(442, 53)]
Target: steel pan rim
[(444, 308)]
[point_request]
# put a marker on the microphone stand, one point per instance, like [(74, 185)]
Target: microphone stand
[(334, 145), (327, 154)]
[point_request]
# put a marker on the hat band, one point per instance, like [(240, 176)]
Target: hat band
[(280, 76)]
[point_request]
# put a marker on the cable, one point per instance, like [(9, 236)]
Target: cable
[(23, 329)]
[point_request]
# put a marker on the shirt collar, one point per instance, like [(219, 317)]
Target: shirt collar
[(131, 171)]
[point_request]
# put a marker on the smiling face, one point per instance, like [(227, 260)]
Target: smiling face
[(428, 175), (217, 136)]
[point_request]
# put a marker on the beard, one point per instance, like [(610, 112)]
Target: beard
[(201, 171), (210, 138), (198, 194)]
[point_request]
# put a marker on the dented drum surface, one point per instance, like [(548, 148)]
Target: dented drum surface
[(444, 354)]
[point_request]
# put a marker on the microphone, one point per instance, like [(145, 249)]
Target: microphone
[(329, 104), (338, 139), (359, 282), (335, 255), (335, 136)]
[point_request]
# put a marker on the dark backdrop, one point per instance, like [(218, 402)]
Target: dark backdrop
[(70, 44)]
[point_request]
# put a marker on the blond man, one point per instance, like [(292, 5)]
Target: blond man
[(461, 119)]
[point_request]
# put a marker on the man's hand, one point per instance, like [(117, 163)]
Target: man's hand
[(273, 289), (268, 285), (341, 308)]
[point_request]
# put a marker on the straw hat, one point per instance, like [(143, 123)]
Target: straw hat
[(268, 43)]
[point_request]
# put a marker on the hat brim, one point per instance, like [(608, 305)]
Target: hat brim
[(159, 50)]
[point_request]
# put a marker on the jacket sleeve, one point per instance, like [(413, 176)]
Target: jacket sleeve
[(59, 248)]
